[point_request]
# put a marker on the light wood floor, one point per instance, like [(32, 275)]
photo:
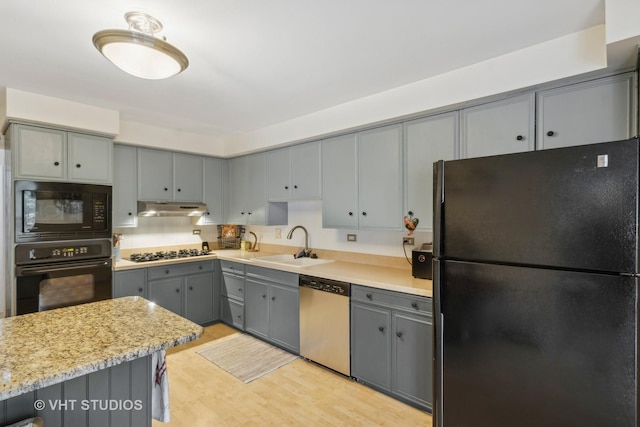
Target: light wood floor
[(300, 393)]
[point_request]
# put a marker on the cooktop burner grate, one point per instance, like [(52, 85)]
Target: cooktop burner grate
[(162, 255)]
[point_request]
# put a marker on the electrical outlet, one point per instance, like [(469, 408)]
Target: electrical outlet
[(408, 241), (278, 233), (196, 231), (352, 237)]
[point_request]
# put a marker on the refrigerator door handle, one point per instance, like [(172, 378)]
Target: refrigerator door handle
[(438, 323), (438, 205)]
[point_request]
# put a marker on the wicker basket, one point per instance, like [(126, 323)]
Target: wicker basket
[(229, 236)]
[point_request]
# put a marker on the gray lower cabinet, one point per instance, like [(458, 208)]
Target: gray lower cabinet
[(130, 283), (187, 289), (271, 306), (391, 343), (232, 293), (128, 382), (594, 111)]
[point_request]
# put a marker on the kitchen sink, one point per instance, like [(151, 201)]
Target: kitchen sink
[(289, 260)]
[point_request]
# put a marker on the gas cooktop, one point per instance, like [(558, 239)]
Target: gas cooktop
[(162, 255)]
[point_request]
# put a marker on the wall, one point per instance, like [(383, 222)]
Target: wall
[(574, 54), (166, 231), (309, 215)]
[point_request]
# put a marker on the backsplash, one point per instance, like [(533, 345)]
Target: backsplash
[(169, 231)]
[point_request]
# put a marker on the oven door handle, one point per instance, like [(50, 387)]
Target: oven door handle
[(32, 271)]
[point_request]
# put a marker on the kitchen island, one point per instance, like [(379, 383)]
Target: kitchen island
[(88, 364)]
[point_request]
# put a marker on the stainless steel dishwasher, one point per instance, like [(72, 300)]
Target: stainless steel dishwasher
[(324, 322)]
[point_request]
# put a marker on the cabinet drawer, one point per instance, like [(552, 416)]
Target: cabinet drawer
[(397, 300), (233, 313), (180, 269), (232, 267), (278, 276), (233, 286)]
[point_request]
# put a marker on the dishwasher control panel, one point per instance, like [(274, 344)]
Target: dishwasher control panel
[(326, 285)]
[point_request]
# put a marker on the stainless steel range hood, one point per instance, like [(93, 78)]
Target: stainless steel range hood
[(171, 209)]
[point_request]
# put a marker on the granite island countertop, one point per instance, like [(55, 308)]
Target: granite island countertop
[(376, 276), (45, 348)]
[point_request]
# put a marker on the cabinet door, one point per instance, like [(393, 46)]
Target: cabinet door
[(284, 317), (256, 303), (237, 197), (39, 152), (380, 178), (167, 293), (412, 356), (155, 175), (130, 283), (256, 189), (187, 178), (500, 127), (596, 111), (278, 175), (213, 191), (90, 158), (371, 345), (198, 301), (339, 182), (125, 190), (426, 141), (305, 171)]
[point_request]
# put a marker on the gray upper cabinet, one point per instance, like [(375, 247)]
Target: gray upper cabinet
[(90, 158), (595, 111), (213, 191), (52, 154), (305, 172), (339, 182), (125, 190), (155, 175), (426, 141), (380, 178), (358, 171), (247, 190), (236, 210), (166, 176), (187, 177), (500, 127), (293, 173), (278, 175)]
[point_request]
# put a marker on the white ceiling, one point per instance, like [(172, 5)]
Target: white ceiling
[(255, 63)]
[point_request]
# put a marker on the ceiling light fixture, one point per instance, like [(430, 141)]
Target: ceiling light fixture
[(138, 51)]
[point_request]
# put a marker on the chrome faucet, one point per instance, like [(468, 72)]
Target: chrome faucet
[(306, 251)]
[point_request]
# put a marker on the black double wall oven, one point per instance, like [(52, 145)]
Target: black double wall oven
[(63, 244)]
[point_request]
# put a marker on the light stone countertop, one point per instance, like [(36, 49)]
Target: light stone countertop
[(45, 348), (381, 277)]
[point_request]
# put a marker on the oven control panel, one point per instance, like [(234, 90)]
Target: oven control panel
[(62, 251)]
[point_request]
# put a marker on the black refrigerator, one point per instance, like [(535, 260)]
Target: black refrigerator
[(536, 288)]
